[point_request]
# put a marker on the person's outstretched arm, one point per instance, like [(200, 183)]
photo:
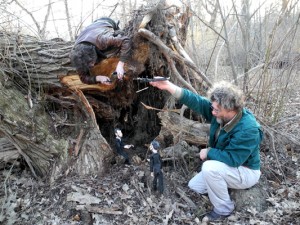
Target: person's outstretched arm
[(168, 86)]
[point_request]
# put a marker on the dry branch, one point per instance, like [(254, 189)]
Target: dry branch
[(111, 211), (154, 39), (185, 198)]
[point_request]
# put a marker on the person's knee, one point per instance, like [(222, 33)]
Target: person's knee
[(197, 187), (193, 185), (211, 168)]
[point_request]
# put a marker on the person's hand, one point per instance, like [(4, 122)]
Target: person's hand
[(203, 153), (103, 80), (120, 70), (152, 175), (163, 85), (128, 146)]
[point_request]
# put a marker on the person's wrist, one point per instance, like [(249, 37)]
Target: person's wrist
[(101, 79), (175, 91), (98, 79), (207, 150)]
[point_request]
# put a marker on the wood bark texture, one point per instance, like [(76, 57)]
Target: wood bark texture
[(181, 128)]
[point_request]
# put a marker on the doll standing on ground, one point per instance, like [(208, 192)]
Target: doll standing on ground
[(120, 146), (156, 166)]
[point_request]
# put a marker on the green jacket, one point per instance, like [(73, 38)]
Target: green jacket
[(237, 143)]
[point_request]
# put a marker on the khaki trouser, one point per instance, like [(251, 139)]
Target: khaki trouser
[(216, 177)]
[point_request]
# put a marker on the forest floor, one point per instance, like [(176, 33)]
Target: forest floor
[(124, 195)]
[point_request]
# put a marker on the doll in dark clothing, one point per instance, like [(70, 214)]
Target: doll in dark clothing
[(156, 166), (120, 146)]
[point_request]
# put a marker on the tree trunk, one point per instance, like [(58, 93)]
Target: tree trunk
[(181, 128), (57, 124), (28, 130)]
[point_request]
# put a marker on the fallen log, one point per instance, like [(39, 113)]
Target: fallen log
[(49, 106), (181, 128)]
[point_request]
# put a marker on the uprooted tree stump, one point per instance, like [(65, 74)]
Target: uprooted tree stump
[(59, 125)]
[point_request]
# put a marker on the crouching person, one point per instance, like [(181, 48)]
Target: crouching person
[(232, 159)]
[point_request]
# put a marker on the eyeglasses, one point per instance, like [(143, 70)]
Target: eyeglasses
[(214, 109)]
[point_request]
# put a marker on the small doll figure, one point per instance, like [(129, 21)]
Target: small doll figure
[(120, 146), (156, 166)]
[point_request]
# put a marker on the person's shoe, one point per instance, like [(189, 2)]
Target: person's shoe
[(213, 217)]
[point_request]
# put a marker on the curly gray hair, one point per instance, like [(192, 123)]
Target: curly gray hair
[(227, 95)]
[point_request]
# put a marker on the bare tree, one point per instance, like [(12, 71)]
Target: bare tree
[(68, 20), (40, 29), (227, 43), (244, 23), (213, 13)]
